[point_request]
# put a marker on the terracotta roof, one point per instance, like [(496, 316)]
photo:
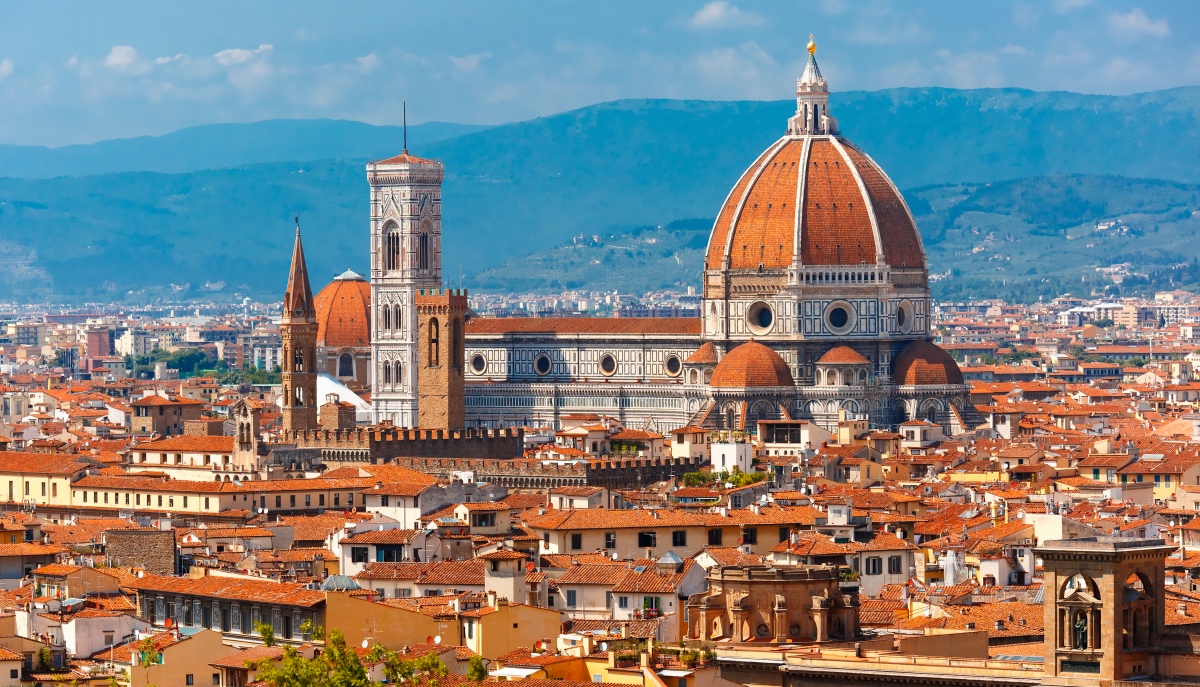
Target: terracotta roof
[(679, 326), (922, 362), (236, 589), (392, 536), (839, 222), (405, 158), (751, 365), (343, 314), (705, 355), (842, 355), (41, 463)]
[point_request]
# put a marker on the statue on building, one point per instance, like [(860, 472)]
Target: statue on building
[(1081, 624)]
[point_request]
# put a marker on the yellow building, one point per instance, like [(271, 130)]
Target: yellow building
[(40, 478)]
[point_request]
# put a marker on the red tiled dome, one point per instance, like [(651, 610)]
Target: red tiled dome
[(705, 355), (842, 355), (850, 211), (922, 362), (749, 365), (344, 313)]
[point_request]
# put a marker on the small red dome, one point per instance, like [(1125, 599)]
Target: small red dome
[(842, 355), (924, 363), (750, 365), (344, 313)]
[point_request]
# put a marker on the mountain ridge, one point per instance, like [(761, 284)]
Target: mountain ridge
[(526, 187)]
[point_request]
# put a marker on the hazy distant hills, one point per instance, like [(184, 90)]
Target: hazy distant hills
[(529, 187), (224, 145)]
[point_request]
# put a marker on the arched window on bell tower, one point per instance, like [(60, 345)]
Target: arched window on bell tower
[(434, 343), (455, 341), (392, 257), (423, 249), (387, 373), (387, 318)]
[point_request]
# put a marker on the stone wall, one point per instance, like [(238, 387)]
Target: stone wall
[(153, 550), (628, 473), (382, 445)]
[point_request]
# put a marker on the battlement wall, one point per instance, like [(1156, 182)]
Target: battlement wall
[(383, 444)]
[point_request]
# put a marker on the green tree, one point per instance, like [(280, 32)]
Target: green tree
[(293, 670), (266, 631), (312, 629), (46, 658), (346, 669), (149, 657), (476, 671)]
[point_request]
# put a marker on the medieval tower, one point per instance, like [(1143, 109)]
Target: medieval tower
[(406, 257), (440, 375), (298, 331)]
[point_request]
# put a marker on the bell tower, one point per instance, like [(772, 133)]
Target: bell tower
[(298, 331), (1104, 608), (441, 364), (406, 257)]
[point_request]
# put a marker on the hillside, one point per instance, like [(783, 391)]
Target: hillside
[(224, 145), (525, 188), (1015, 239)]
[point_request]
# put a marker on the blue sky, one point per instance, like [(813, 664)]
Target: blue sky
[(85, 71)]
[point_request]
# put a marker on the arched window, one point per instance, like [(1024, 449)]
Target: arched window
[(387, 317), (391, 247), (345, 365), (399, 374), (423, 249), (455, 340), (397, 320), (298, 360), (434, 343), (387, 373)]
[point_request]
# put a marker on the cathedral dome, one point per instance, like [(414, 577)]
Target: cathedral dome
[(922, 362), (750, 365), (813, 199), (344, 312)]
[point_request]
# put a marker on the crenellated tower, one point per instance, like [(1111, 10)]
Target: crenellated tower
[(406, 257), (298, 331)]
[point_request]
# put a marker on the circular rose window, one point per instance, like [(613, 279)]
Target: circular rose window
[(478, 363), (541, 364), (608, 364)]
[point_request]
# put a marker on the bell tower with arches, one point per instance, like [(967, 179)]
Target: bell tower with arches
[(1104, 608), (298, 333), (406, 257)]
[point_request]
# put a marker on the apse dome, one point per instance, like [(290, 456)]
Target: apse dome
[(751, 365)]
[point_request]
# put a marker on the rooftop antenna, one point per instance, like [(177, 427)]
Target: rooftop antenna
[(297, 225), (404, 112)]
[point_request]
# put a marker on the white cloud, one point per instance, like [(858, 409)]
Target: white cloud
[(1064, 6), (367, 63), (169, 58), (122, 57), (1136, 22), (6, 69), (720, 14), (232, 56), (469, 63)]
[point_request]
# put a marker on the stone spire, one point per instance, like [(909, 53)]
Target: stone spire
[(298, 334), (812, 100), (298, 299)]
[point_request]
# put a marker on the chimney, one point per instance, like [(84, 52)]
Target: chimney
[(625, 629), (1181, 609)]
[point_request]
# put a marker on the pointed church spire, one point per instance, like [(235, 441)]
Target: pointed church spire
[(298, 300)]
